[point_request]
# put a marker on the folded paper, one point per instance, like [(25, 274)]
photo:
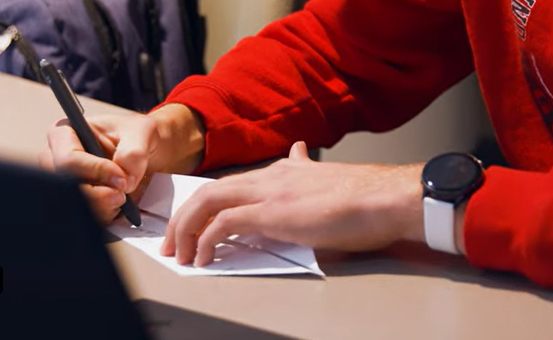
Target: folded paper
[(259, 255)]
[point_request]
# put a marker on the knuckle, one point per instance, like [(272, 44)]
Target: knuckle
[(172, 225), (98, 168), (205, 193), (225, 222), (65, 161), (148, 124), (205, 241), (174, 230), (180, 230), (225, 219), (282, 166)]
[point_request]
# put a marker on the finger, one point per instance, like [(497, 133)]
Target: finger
[(133, 152), (63, 122), (168, 247), (137, 194), (298, 151), (105, 201), (46, 161), (240, 220), (193, 215), (68, 155)]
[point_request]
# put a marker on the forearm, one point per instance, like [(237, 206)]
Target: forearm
[(323, 72)]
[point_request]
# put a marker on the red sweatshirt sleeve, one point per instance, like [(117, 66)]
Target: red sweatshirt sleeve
[(335, 67), (508, 224)]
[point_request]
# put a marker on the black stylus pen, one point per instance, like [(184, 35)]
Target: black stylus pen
[(74, 112)]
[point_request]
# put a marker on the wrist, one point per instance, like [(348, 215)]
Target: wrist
[(449, 180), (414, 231), (411, 210), (182, 140)]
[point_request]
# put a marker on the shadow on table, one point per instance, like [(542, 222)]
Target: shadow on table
[(410, 259), (417, 259), (169, 322)]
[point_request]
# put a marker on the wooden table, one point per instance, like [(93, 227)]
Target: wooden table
[(406, 292)]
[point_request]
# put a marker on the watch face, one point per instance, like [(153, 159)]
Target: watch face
[(452, 172)]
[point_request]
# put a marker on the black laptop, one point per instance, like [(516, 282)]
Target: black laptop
[(58, 281)]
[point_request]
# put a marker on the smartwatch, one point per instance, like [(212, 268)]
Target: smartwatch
[(448, 180)]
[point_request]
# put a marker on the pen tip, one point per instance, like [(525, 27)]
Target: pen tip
[(135, 220)]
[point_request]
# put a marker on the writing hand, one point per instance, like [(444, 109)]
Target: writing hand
[(136, 144)]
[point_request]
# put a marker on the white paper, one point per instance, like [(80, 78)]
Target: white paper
[(162, 199)]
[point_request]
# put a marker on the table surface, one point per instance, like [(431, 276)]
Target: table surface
[(405, 292)]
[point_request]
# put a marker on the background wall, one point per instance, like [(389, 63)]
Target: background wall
[(230, 20), (456, 121)]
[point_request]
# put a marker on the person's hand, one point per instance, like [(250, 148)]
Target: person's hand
[(322, 205), (168, 140)]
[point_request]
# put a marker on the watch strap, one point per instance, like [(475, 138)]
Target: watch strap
[(439, 225)]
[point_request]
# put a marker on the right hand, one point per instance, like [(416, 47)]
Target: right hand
[(167, 140)]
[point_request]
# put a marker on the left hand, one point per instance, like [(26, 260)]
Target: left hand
[(321, 205), (136, 144)]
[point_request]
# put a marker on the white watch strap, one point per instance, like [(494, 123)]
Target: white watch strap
[(439, 225)]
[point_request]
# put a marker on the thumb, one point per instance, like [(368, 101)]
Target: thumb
[(299, 152), (133, 154)]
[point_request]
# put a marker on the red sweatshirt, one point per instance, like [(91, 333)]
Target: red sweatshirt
[(340, 66)]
